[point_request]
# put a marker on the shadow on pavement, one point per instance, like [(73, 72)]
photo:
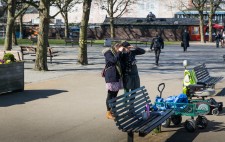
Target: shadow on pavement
[(178, 136), (10, 99), (221, 93)]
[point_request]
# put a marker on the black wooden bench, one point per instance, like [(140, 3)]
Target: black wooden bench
[(51, 53), (203, 76), (128, 109), (25, 50), (71, 41), (33, 40)]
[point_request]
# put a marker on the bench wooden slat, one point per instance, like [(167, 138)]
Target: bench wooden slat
[(126, 94), (125, 102), (203, 75), (129, 117), (131, 111), (129, 96), (143, 123), (128, 110), (156, 122), (121, 108), (132, 124)]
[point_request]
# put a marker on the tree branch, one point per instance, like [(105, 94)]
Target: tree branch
[(21, 11), (32, 3)]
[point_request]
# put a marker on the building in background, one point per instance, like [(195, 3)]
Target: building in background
[(161, 9)]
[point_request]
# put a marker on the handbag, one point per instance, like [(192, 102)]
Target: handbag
[(103, 72), (182, 44)]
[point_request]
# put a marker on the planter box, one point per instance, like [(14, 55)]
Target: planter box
[(11, 77)]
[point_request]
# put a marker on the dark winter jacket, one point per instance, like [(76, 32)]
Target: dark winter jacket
[(161, 42), (113, 70), (129, 68), (186, 39), (218, 37)]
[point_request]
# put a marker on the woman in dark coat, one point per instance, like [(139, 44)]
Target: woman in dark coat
[(185, 40), (113, 73), (131, 78)]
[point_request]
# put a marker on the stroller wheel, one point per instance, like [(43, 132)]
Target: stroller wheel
[(215, 111), (166, 123), (201, 122), (190, 125), (176, 119)]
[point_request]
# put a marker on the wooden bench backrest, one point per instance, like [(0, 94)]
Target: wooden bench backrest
[(27, 49), (128, 108), (201, 72), (203, 76), (17, 54)]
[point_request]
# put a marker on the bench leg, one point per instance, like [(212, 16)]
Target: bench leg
[(130, 137), (158, 129)]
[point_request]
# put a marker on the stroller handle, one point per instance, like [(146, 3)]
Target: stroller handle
[(160, 89)]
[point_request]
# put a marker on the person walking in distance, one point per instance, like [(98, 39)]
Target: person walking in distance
[(185, 40), (218, 38), (112, 74), (157, 44)]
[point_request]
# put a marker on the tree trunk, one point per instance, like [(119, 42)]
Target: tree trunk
[(82, 56), (202, 27), (41, 52), (210, 20), (210, 28), (21, 26), (10, 24), (112, 30), (14, 39), (66, 25)]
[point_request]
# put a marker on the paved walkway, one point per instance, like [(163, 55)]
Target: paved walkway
[(67, 103)]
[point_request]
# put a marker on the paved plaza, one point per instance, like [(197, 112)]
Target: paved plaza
[(67, 103)]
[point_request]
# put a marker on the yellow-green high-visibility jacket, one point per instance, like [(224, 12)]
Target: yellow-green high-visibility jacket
[(189, 78)]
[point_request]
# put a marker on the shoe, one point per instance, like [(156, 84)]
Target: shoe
[(109, 115)]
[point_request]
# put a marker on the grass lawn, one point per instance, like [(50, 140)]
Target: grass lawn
[(61, 41)]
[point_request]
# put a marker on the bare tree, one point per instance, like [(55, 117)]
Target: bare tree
[(82, 56), (214, 4), (115, 9), (199, 6), (65, 10), (43, 6), (12, 14)]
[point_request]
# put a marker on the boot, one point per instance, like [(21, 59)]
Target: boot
[(109, 115)]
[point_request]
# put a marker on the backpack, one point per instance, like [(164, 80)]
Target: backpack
[(157, 44)]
